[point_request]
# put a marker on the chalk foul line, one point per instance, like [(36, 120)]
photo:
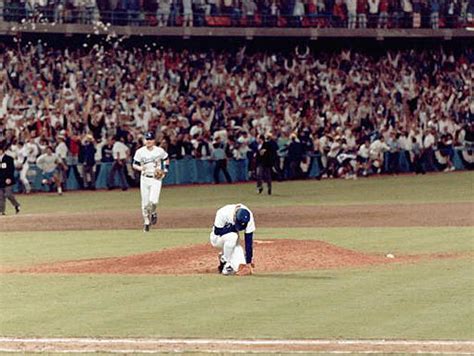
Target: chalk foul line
[(153, 345)]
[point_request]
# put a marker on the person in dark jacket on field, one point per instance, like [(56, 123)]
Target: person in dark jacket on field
[(7, 180), (88, 162), (417, 152), (295, 157), (276, 161), (265, 160)]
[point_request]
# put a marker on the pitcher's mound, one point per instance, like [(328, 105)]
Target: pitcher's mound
[(270, 256)]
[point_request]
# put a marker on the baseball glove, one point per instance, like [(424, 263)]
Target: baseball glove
[(159, 173), (245, 270)]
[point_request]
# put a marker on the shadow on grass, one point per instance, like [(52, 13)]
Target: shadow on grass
[(291, 276)]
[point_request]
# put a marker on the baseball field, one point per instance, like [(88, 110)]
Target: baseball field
[(342, 266)]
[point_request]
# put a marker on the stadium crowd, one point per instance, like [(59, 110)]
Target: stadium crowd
[(346, 111), (267, 13)]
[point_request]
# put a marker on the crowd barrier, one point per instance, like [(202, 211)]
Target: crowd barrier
[(192, 171), (183, 171)]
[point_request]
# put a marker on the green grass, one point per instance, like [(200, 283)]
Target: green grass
[(383, 190), (428, 300), (432, 299)]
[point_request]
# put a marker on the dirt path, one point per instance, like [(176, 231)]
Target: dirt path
[(435, 214), (131, 346)]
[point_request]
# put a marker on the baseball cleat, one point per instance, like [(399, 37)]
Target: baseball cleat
[(221, 263), (146, 228), (153, 218), (220, 267), (228, 270), (17, 209)]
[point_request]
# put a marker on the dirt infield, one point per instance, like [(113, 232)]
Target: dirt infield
[(226, 346), (435, 214), (298, 255)]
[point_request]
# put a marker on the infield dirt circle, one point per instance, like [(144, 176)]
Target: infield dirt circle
[(270, 255)]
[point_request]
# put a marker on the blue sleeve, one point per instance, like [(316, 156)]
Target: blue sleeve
[(249, 247), (224, 230)]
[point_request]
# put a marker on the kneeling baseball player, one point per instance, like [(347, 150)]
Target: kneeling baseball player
[(229, 222)]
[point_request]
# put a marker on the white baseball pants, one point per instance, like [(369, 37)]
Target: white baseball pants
[(24, 177), (150, 189), (232, 250)]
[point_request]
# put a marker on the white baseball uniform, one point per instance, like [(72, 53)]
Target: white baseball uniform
[(32, 151), (22, 158), (233, 252), (150, 187)]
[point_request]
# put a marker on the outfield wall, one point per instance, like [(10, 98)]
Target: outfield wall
[(192, 171)]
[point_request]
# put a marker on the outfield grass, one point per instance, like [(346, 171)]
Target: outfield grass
[(427, 300), (424, 301), (440, 188)]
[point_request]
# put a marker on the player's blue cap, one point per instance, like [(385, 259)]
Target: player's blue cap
[(242, 218), (149, 135)]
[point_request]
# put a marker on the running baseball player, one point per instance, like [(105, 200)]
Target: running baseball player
[(229, 222), (23, 166), (153, 163)]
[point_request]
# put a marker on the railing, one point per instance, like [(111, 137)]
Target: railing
[(192, 171), (201, 17)]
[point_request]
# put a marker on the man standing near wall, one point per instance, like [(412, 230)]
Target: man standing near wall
[(393, 153), (88, 152), (265, 160), (31, 151), (220, 158), (429, 142), (23, 166), (61, 152), (120, 153), (7, 180)]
